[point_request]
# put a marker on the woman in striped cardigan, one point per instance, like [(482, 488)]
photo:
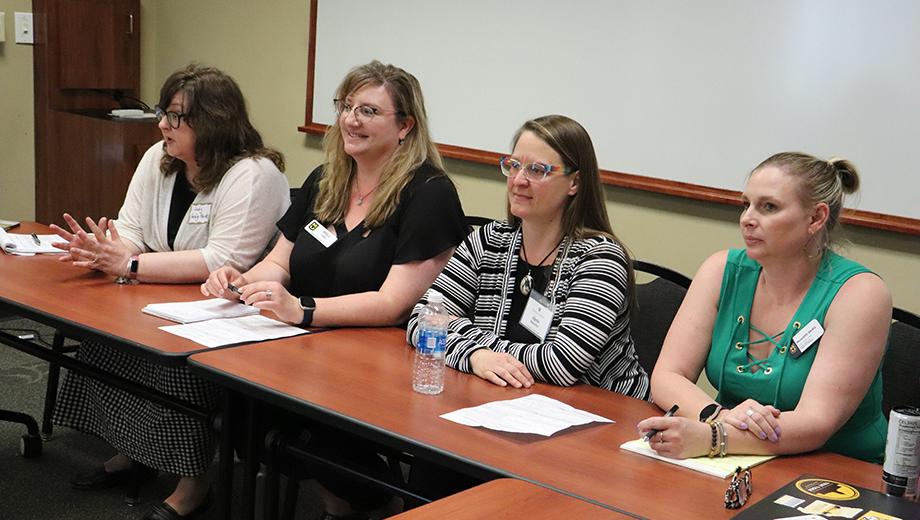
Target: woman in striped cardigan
[(546, 294)]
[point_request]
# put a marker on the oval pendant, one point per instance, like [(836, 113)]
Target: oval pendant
[(526, 284)]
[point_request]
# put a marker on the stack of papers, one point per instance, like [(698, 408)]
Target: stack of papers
[(28, 244), (200, 310), (534, 413)]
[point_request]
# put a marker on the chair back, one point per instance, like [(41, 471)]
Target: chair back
[(473, 222), (658, 302), (901, 366)]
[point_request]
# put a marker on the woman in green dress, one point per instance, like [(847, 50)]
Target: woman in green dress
[(790, 333)]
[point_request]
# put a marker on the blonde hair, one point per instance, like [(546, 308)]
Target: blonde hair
[(417, 148), (819, 181)]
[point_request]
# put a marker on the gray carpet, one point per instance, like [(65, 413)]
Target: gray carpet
[(39, 489)]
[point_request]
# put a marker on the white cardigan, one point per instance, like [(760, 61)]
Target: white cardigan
[(231, 225)]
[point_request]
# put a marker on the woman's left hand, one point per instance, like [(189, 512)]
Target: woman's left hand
[(106, 253), (677, 437), (273, 296)]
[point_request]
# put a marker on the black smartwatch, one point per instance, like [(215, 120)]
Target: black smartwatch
[(308, 305), (710, 412)]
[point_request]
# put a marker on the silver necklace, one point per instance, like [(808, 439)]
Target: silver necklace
[(527, 282)]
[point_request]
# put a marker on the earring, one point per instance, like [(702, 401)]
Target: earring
[(402, 140)]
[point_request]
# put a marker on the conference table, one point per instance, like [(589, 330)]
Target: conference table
[(359, 380)]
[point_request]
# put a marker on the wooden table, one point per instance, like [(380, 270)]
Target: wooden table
[(508, 499), (360, 380)]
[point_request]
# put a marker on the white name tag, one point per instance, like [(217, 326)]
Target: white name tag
[(319, 232), (199, 213), (808, 335), (538, 315)]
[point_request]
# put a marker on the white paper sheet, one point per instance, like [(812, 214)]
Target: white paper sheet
[(534, 413), (217, 333)]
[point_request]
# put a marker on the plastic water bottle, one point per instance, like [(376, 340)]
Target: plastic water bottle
[(428, 368)]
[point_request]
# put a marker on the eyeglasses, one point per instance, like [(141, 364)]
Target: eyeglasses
[(363, 113), (534, 171), (739, 490), (173, 119)]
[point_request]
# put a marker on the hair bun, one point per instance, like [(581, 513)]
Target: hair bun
[(846, 171)]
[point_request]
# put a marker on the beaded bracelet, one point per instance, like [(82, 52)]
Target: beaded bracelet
[(714, 443)]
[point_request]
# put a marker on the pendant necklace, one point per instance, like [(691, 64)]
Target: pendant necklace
[(360, 200), (527, 281)]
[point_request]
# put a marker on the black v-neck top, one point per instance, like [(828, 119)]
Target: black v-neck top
[(428, 220), (179, 203), (513, 330)]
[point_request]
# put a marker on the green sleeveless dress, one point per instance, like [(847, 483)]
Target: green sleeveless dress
[(781, 377)]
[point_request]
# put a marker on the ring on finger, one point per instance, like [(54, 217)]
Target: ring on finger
[(660, 438), (268, 294), (750, 412)]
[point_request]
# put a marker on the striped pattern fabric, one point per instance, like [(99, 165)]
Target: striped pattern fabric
[(589, 340)]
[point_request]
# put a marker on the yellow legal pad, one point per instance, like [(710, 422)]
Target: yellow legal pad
[(717, 466)]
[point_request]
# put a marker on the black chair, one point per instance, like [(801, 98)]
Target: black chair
[(473, 222), (658, 303), (901, 366)]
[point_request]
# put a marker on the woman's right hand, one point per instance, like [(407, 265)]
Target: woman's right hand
[(754, 417), (217, 283), (500, 368)]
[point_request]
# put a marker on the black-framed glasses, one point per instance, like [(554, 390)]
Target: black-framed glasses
[(363, 113), (739, 489), (173, 119), (534, 171)]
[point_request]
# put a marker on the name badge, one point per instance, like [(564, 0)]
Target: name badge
[(806, 337), (199, 213), (319, 232), (538, 315)]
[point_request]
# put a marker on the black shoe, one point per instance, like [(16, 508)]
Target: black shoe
[(164, 511), (99, 478)]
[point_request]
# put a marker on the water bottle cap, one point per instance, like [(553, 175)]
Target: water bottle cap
[(435, 297)]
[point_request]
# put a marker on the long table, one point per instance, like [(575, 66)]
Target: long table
[(359, 380)]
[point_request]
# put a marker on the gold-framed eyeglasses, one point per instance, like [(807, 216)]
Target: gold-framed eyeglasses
[(363, 113), (534, 171), (173, 119), (739, 489)]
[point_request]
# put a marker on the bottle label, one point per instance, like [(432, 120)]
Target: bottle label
[(432, 341)]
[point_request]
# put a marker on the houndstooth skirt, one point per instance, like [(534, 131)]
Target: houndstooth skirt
[(154, 435)]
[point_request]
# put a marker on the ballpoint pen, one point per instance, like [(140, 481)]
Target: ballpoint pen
[(35, 239), (651, 433), (234, 289)]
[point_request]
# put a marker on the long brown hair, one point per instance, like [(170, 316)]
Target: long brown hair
[(417, 148), (216, 110), (584, 213)]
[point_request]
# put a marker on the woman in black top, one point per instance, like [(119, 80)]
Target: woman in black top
[(367, 233), (371, 228)]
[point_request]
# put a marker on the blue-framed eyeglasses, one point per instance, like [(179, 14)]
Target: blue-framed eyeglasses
[(534, 171), (173, 119)]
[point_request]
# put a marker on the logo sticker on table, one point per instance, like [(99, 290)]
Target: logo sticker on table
[(827, 489)]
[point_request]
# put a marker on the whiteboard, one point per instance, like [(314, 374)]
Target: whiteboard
[(691, 91)]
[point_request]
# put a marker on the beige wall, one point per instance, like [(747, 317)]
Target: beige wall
[(265, 51), (17, 137)]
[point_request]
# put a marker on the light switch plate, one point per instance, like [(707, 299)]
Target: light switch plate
[(24, 28)]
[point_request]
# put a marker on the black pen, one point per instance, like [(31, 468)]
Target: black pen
[(35, 238), (234, 289), (651, 433)]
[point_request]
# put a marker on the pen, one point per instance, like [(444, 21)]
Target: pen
[(651, 433), (233, 288), (36, 239)]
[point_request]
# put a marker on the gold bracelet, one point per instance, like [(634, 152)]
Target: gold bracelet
[(714, 443), (723, 438)]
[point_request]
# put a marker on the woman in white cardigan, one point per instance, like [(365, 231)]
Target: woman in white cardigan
[(208, 195)]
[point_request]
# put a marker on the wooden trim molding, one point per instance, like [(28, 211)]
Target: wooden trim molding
[(869, 219)]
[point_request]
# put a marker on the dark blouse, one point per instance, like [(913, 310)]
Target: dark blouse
[(514, 330), (181, 200), (428, 220)]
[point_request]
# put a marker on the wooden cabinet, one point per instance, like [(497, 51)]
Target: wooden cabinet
[(86, 55)]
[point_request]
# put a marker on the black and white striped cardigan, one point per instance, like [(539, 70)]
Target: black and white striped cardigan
[(589, 340)]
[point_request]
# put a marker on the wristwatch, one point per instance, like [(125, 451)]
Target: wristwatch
[(710, 412), (133, 263), (307, 305)]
